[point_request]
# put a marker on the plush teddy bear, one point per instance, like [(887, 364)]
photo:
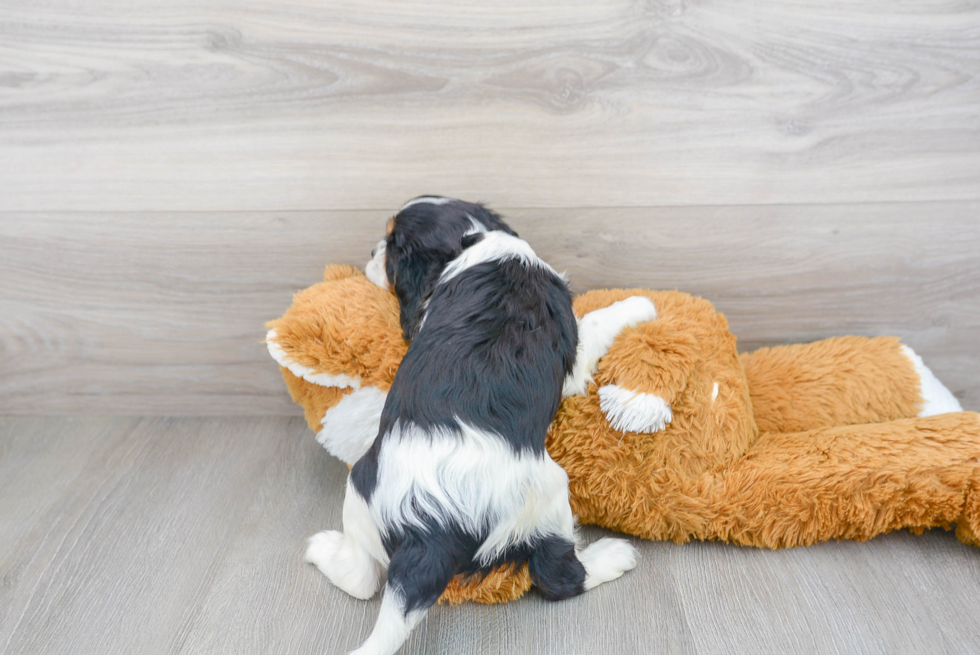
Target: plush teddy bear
[(677, 436)]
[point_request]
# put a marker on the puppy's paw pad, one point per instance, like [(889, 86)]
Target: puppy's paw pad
[(606, 560)]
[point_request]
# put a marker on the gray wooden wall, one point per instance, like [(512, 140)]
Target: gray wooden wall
[(171, 172)]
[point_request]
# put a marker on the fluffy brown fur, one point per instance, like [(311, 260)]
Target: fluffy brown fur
[(801, 443)]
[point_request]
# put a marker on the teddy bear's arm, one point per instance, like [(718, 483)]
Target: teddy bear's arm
[(841, 381), (643, 372), (597, 330)]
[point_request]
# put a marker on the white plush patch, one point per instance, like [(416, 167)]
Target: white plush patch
[(351, 426), (470, 479), (495, 246), (714, 392), (374, 270), (341, 380), (607, 559), (427, 200), (936, 398), (597, 331), (632, 411)]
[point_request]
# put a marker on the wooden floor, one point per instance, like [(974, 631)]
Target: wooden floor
[(166, 535), (172, 171)]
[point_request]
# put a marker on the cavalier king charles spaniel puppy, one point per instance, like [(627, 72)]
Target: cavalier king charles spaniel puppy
[(457, 478)]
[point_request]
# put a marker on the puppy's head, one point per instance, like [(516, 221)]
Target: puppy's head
[(427, 233)]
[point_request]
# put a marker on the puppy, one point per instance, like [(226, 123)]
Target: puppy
[(458, 479)]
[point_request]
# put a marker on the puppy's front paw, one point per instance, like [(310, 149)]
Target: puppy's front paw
[(346, 564), (606, 560), (633, 411)]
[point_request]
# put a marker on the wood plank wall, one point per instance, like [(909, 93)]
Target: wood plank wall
[(171, 172)]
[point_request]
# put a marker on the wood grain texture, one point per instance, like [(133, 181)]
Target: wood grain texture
[(162, 313), (186, 536), (266, 105), (37, 470), (121, 562)]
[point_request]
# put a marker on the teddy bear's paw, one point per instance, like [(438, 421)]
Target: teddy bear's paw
[(634, 310), (633, 411), (597, 331), (346, 564), (606, 560)]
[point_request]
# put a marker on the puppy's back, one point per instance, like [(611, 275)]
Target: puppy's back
[(498, 337)]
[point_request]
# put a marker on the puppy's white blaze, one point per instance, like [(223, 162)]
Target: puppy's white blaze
[(936, 398), (633, 411), (374, 270), (495, 246), (323, 379), (393, 626), (597, 331), (427, 200), (476, 227), (473, 479), (351, 426), (607, 559)]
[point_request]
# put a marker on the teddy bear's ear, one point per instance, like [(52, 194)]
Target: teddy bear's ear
[(340, 272)]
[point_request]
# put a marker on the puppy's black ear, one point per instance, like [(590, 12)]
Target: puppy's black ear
[(412, 277), (470, 239)]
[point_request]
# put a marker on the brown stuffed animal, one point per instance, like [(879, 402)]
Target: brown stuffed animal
[(678, 436)]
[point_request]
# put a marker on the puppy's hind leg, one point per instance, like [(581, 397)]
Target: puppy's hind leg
[(354, 559), (560, 572), (418, 574), (556, 566), (606, 559), (555, 570)]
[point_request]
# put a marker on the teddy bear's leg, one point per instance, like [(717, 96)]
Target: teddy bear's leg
[(353, 560), (849, 482), (596, 332), (841, 381), (968, 526)]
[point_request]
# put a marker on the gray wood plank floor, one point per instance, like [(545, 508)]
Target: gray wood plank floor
[(164, 535)]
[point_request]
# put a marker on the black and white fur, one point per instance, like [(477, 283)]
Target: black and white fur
[(458, 479)]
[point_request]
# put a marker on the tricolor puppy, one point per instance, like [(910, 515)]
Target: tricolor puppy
[(458, 479)]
